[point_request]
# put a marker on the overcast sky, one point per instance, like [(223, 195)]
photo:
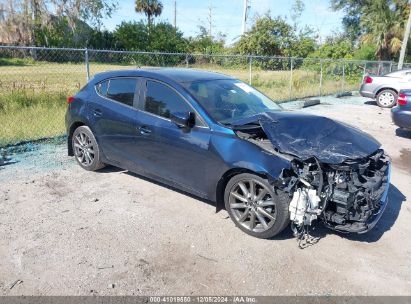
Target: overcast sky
[(227, 15)]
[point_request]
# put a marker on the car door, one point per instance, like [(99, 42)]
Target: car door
[(177, 155), (113, 115)]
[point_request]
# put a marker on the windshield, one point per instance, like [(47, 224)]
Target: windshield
[(227, 100)]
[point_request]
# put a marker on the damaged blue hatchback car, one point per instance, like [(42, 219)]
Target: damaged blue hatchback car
[(218, 138)]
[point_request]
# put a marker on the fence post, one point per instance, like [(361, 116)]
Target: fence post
[(321, 77), (250, 70), (87, 64), (390, 66), (343, 78), (365, 70), (186, 60), (291, 77)]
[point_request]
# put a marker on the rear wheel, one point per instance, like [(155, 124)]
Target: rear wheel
[(255, 207), (387, 98), (86, 149)]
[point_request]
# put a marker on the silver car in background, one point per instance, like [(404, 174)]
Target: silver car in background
[(384, 89)]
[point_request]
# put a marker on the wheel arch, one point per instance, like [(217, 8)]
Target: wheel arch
[(222, 183), (72, 128), (385, 88)]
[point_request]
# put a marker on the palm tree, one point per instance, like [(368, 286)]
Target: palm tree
[(383, 28), (151, 8)]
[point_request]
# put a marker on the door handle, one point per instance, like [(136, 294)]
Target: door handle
[(144, 130), (97, 112)]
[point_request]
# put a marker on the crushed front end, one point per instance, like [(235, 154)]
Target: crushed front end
[(338, 174), (348, 197)]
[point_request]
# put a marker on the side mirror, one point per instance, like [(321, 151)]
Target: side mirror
[(183, 119)]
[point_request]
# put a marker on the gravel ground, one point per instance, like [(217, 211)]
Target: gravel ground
[(65, 231)]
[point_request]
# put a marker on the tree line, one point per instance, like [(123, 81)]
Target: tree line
[(372, 30)]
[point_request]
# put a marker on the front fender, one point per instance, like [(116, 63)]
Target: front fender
[(240, 155)]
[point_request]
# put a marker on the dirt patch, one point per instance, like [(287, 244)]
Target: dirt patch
[(403, 162), (66, 231)]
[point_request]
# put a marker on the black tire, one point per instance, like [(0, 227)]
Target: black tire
[(86, 149), (387, 98), (275, 197)]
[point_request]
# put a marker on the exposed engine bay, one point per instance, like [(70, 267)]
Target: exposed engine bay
[(344, 196)]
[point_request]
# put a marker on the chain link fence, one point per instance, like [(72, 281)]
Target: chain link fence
[(35, 82)]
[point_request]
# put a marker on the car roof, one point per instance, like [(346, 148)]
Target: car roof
[(179, 75), (398, 72)]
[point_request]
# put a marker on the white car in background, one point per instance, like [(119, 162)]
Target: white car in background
[(384, 89)]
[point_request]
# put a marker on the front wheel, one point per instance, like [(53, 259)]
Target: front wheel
[(387, 98), (86, 149), (255, 206)]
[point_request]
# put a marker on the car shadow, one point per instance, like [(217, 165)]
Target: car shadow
[(318, 231), (111, 169), (371, 103), (403, 133), (150, 180)]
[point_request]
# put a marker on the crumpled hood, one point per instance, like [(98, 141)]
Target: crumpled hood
[(305, 136)]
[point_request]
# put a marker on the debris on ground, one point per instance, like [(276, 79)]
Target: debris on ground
[(343, 94), (105, 267), (208, 259), (311, 102), (16, 282), (4, 159)]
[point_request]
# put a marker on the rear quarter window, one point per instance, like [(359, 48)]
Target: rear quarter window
[(102, 87)]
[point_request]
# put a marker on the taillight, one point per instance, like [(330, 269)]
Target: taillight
[(70, 99), (402, 99), (368, 79)]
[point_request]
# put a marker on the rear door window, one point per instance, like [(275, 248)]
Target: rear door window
[(122, 90)]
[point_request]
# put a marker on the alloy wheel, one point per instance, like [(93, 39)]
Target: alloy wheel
[(84, 149), (252, 205)]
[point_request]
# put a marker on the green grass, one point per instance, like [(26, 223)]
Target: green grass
[(31, 123), (33, 94)]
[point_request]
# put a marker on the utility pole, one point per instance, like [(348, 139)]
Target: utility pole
[(245, 14), (405, 42), (2, 12), (210, 18), (175, 14)]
